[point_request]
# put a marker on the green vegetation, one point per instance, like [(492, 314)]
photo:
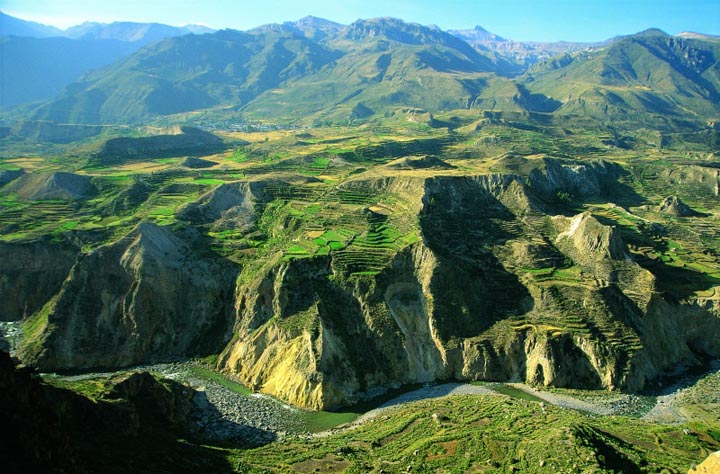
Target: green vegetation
[(489, 434), (92, 388), (342, 167), (211, 375), (510, 391)]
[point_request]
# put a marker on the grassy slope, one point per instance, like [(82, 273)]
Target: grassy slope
[(647, 74), (472, 434), (491, 434)]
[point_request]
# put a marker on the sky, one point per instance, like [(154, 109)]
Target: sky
[(522, 20)]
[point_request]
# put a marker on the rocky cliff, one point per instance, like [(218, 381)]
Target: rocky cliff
[(465, 301), (48, 429), (414, 278), (30, 274), (148, 296)]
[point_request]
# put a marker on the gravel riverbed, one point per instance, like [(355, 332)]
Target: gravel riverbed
[(252, 420), (672, 401)]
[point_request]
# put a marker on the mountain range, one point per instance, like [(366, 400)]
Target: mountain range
[(318, 71), (40, 60), (143, 33), (332, 215)]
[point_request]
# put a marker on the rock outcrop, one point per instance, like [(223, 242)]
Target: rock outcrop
[(30, 274), (578, 179), (146, 297), (232, 205), (311, 336), (708, 466), (419, 162), (55, 430), (56, 185), (674, 206), (457, 304), (487, 285)]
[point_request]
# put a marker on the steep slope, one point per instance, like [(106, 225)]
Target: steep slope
[(491, 291), (139, 33), (53, 429), (387, 64), (30, 274), (420, 275), (522, 53), (38, 69), (227, 68), (648, 74), (11, 26), (148, 296)]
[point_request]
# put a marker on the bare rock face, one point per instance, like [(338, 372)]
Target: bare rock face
[(592, 241), (674, 206), (458, 305), (492, 288), (231, 205), (578, 179), (708, 466), (30, 274), (148, 296), (310, 336)]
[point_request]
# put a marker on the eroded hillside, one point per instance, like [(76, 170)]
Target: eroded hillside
[(326, 266)]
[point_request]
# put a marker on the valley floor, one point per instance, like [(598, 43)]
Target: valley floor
[(233, 413)]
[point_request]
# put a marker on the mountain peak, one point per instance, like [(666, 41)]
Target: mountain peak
[(394, 29), (652, 32), (696, 35), (10, 25), (316, 21), (477, 34)]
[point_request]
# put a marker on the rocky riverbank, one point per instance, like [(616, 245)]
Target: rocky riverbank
[(227, 415), (688, 398), (9, 336), (232, 416)]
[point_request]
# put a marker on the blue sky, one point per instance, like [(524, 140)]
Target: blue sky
[(527, 20)]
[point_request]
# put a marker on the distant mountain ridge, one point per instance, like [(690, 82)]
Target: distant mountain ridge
[(318, 70), (317, 29), (40, 60), (186, 73), (142, 33), (9, 25), (39, 68), (647, 73), (526, 53)]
